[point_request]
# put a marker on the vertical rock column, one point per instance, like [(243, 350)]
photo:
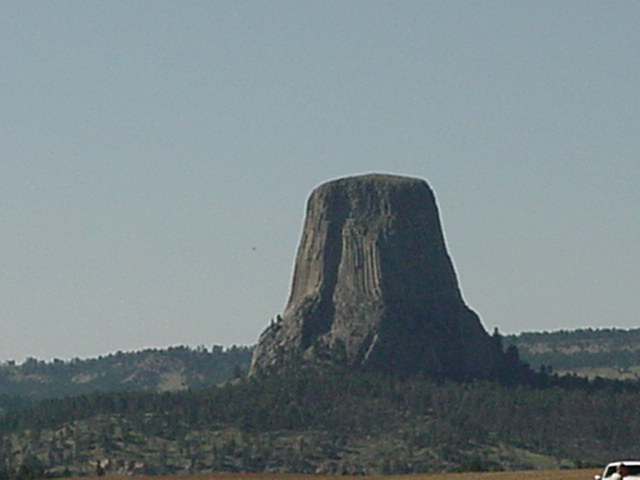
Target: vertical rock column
[(374, 288)]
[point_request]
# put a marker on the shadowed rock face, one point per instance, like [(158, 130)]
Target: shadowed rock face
[(373, 287)]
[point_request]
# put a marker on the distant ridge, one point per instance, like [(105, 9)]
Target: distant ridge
[(612, 353), (609, 353), (149, 370)]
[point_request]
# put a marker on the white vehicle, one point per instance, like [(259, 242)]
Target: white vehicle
[(632, 465)]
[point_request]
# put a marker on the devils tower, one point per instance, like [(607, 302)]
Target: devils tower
[(374, 287)]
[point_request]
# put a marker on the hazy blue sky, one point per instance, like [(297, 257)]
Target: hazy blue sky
[(156, 157)]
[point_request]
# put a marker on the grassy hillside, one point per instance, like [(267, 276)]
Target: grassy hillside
[(606, 353), (176, 368)]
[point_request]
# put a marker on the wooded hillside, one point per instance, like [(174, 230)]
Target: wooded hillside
[(329, 422)]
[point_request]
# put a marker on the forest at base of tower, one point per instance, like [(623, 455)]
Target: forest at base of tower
[(329, 421)]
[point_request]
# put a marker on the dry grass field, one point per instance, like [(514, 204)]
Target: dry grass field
[(585, 474)]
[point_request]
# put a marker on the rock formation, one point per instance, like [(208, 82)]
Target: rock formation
[(373, 287)]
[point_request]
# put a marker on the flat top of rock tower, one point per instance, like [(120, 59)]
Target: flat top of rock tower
[(373, 178)]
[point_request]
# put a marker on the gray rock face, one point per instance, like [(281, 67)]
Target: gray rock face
[(373, 287)]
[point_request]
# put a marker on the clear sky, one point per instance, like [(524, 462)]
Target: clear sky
[(156, 157)]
